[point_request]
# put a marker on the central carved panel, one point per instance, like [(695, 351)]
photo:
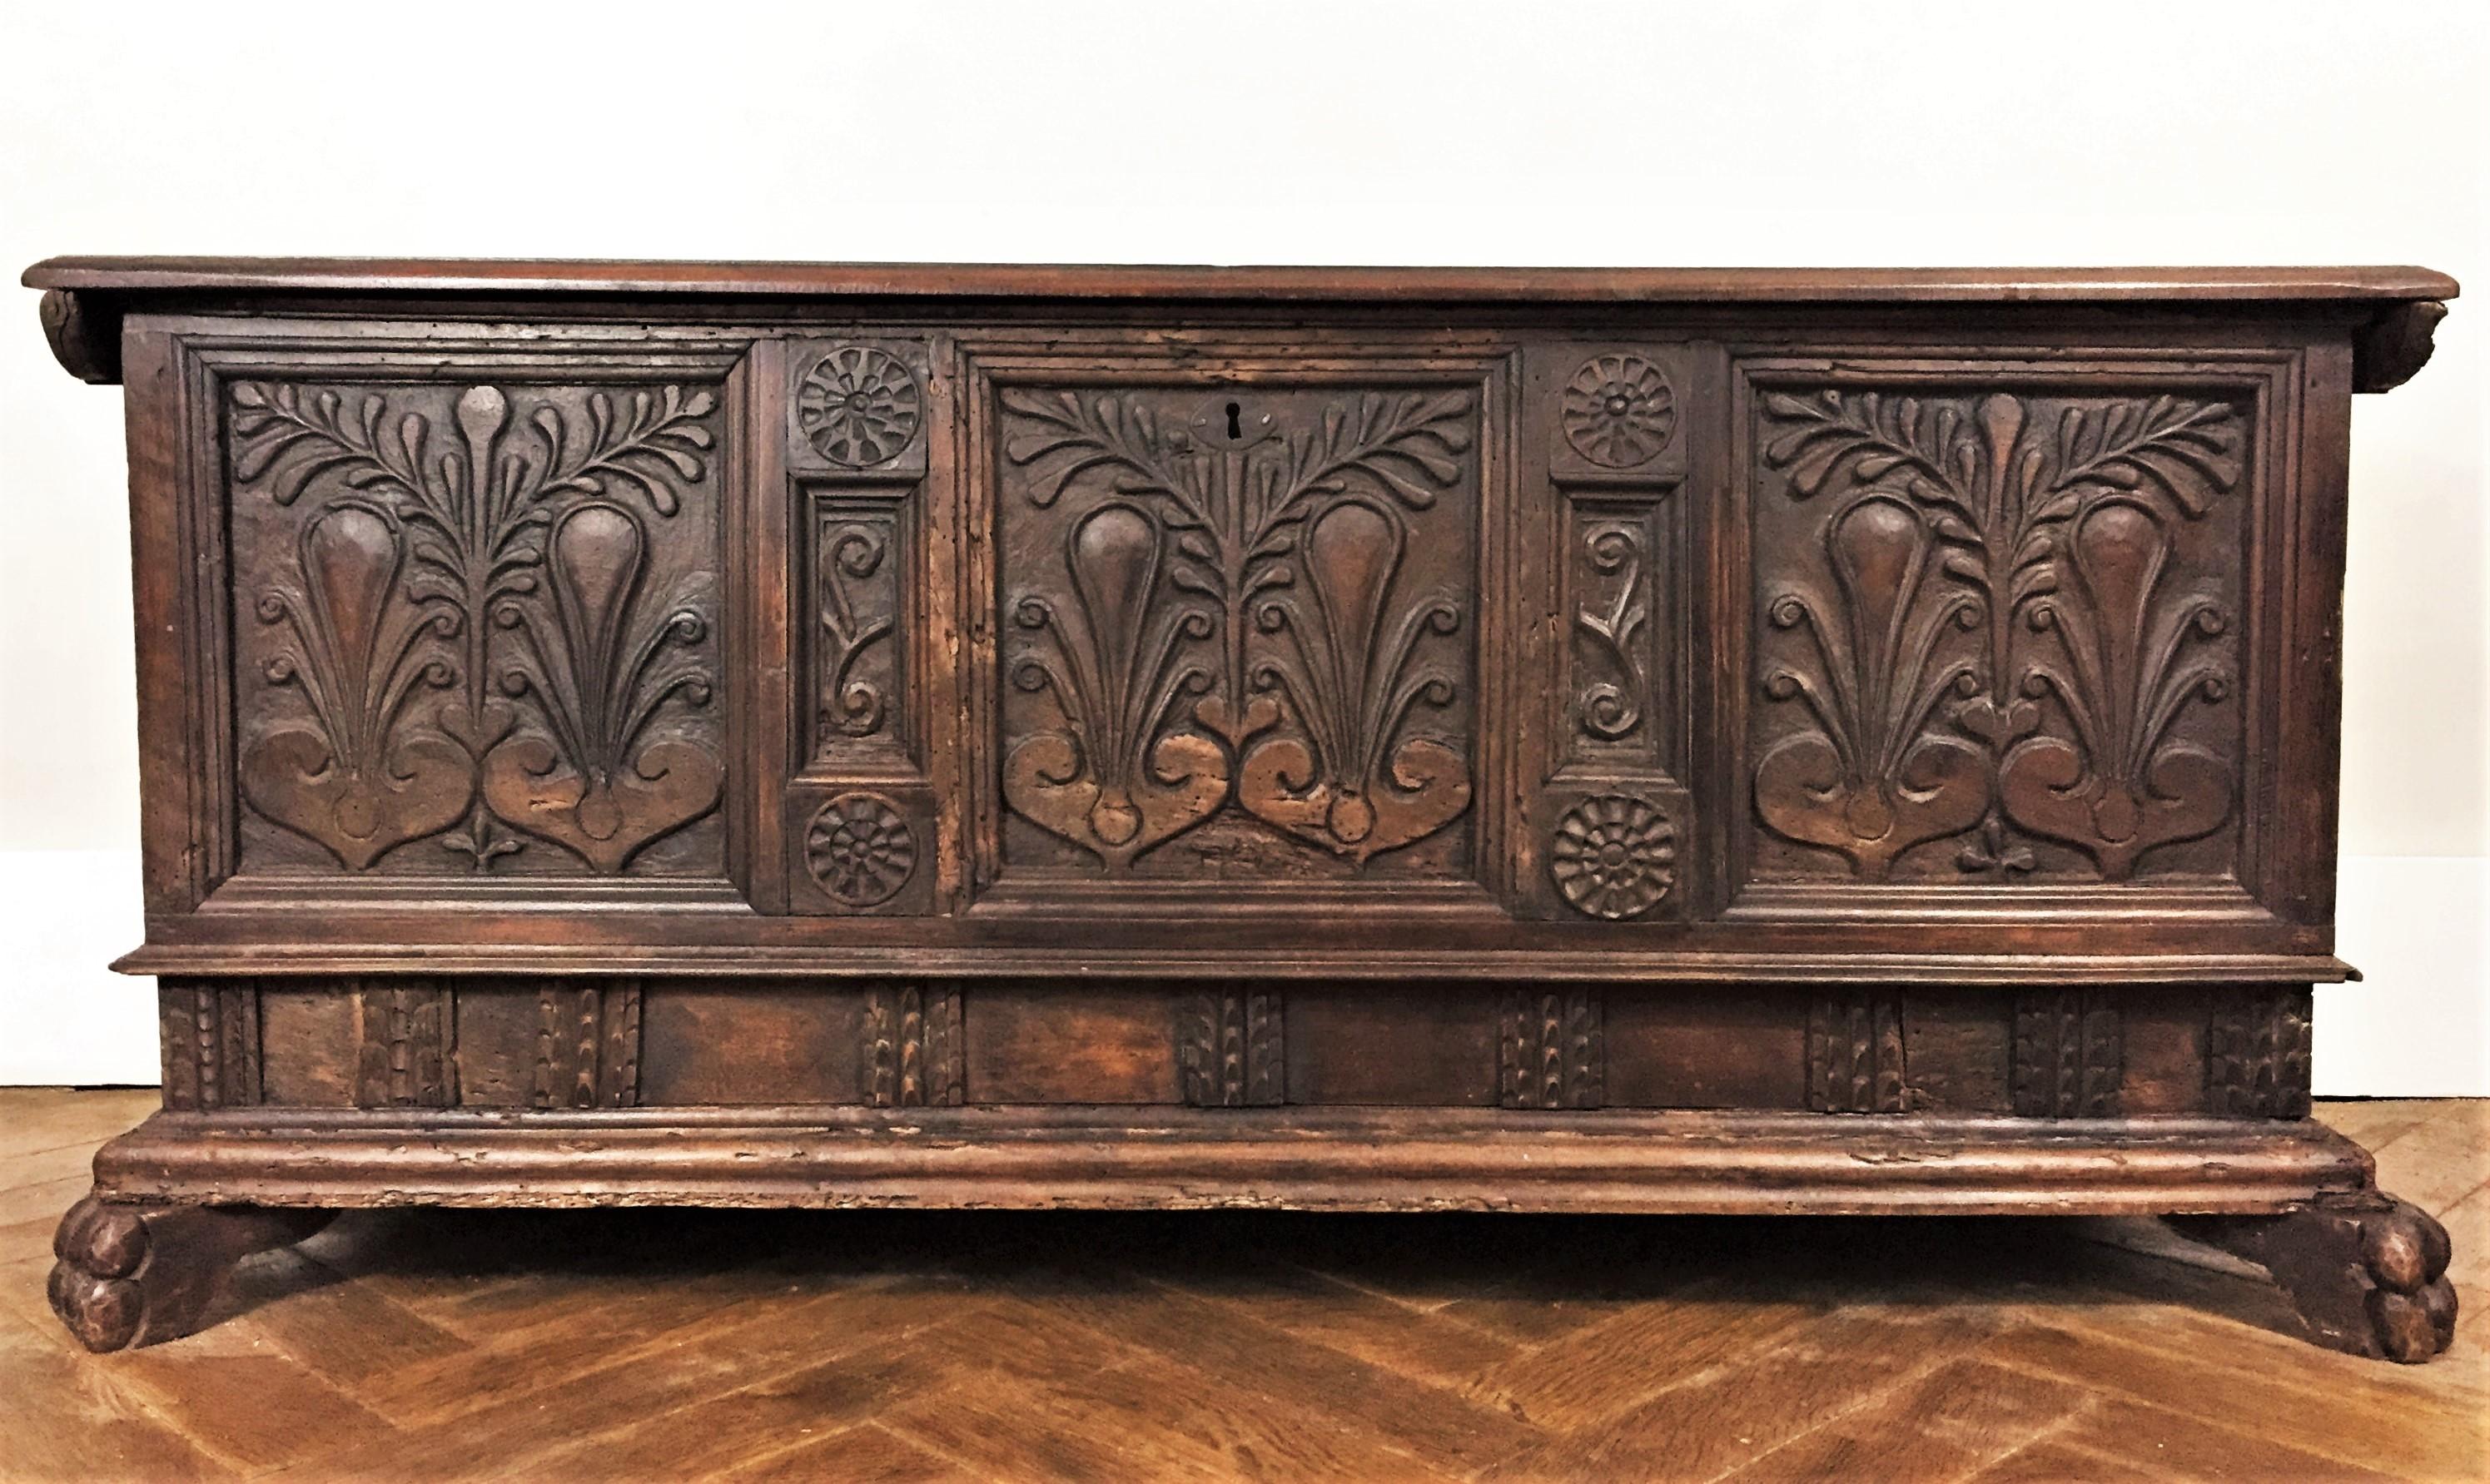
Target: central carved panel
[(1238, 629)]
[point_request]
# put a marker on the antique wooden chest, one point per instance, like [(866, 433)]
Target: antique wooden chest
[(1629, 741)]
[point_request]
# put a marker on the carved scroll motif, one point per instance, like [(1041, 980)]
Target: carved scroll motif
[(1616, 625), (913, 1053), (1237, 621), (1553, 1052), (1228, 1051), (857, 613), (1996, 633), (472, 620)]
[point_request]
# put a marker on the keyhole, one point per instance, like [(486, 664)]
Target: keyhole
[(1235, 428)]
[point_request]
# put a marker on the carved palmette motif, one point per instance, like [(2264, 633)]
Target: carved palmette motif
[(1995, 631), (210, 1041), (1238, 619), (2257, 1053), (407, 1055), (1854, 1053), (1230, 1048), (1552, 1053), (2068, 1054), (914, 1052), (587, 1044), (477, 618)]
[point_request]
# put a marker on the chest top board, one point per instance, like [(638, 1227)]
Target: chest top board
[(1657, 740)]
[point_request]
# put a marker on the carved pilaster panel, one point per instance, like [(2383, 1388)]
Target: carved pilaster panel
[(1238, 625), (476, 626), (2069, 1055), (856, 578), (1997, 631), (1854, 1053), (1230, 1052), (210, 1042), (1620, 683), (1553, 1051), (407, 1054), (2257, 1053), (587, 1044), (914, 1052)]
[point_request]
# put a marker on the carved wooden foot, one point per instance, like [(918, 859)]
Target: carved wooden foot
[(2367, 1277), (136, 1274)]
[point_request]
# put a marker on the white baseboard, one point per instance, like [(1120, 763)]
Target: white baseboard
[(2418, 1027)]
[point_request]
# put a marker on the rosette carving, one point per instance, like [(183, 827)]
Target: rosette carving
[(1613, 856)]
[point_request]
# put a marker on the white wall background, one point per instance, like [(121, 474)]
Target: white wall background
[(1525, 132)]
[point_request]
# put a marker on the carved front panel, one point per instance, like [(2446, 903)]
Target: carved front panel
[(1997, 631), (474, 626), (1238, 629)]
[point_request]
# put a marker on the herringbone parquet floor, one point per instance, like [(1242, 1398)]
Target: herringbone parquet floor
[(889, 1346)]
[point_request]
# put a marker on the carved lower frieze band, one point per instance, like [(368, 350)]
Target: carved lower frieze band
[(565, 1043)]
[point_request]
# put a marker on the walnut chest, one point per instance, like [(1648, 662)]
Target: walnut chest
[(1560, 740)]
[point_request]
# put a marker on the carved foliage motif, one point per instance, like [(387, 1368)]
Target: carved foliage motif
[(210, 1041), (915, 1055), (1238, 615), (1854, 1053), (1228, 1051), (587, 1045), (1613, 856), (407, 1056), (477, 617), (1553, 1053), (2068, 1054), (2257, 1054), (1998, 629), (860, 849)]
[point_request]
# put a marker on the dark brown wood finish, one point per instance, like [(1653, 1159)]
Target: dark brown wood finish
[(1651, 740)]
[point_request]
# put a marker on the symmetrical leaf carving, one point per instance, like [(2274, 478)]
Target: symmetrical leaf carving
[(1237, 618), (1996, 632), (513, 569)]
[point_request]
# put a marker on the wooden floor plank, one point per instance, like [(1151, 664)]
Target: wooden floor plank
[(1962, 1416), (860, 1455), (33, 1119), (2169, 1444), (1728, 1415), (2370, 1417), (2442, 1158), (1444, 1430), (66, 1418)]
